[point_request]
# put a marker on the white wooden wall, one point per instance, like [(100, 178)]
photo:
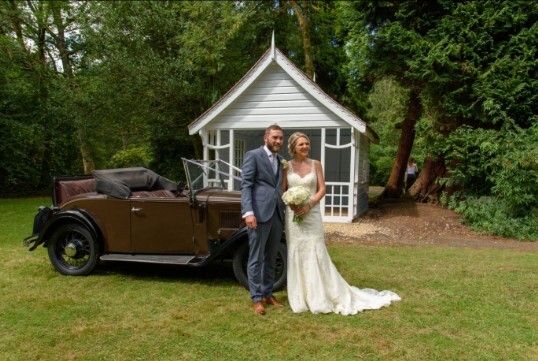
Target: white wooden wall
[(276, 98)]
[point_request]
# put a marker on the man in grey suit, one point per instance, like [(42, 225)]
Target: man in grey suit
[(263, 210)]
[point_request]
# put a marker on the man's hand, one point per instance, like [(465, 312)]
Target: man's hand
[(251, 221)]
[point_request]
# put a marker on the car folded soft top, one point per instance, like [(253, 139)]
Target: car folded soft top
[(120, 183)]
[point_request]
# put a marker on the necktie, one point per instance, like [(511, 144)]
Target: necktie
[(272, 158)]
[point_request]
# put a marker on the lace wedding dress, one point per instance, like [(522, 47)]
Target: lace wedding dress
[(314, 283)]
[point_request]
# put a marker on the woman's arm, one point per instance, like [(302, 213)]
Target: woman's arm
[(316, 198)]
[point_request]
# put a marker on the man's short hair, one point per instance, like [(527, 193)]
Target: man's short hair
[(272, 127)]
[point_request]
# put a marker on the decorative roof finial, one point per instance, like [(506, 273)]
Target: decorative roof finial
[(273, 52)]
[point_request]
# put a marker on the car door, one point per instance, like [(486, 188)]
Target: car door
[(161, 226)]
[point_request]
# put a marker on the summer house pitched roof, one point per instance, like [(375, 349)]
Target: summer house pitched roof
[(275, 56)]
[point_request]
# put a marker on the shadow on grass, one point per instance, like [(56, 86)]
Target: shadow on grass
[(215, 273)]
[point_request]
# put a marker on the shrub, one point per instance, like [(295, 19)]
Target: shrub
[(131, 157), (495, 216), (498, 175)]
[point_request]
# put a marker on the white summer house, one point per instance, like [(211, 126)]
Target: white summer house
[(275, 91)]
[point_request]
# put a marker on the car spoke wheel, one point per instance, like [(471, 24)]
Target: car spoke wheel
[(240, 262), (73, 250)]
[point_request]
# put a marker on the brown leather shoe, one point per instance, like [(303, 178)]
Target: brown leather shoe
[(272, 301), (258, 308)]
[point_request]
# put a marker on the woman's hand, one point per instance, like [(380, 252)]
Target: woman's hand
[(302, 209)]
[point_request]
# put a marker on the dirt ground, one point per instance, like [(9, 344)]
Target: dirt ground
[(405, 222)]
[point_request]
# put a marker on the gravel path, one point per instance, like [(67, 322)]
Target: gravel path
[(404, 222)]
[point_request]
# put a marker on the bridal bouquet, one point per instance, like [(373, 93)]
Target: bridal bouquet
[(296, 196)]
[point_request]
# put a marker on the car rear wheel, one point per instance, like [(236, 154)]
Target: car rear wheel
[(73, 250), (240, 262)]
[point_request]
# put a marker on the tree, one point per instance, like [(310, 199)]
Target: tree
[(479, 73), (388, 102), (467, 65), (429, 48), (153, 67), (380, 38), (302, 13), (318, 51), (32, 108)]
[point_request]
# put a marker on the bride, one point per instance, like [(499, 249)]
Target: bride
[(314, 283)]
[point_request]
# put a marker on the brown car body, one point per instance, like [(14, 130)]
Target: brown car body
[(153, 224)]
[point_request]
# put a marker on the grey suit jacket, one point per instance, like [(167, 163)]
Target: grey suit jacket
[(261, 190)]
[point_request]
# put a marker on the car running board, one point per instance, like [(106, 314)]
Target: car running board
[(149, 258)]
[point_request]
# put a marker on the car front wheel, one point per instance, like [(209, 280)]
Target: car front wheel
[(240, 262), (73, 250)]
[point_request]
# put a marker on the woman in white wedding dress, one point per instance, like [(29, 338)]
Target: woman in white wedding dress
[(314, 283)]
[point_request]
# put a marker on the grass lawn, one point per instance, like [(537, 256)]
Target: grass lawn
[(457, 304)]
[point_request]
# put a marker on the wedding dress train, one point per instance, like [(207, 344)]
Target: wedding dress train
[(314, 283)]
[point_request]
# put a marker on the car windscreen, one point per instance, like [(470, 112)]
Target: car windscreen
[(208, 173)]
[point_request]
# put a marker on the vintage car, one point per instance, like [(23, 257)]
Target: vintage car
[(135, 215)]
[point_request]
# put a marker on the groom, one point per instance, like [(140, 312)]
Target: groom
[(263, 211)]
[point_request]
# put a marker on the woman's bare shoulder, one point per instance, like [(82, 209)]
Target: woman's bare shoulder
[(316, 163)]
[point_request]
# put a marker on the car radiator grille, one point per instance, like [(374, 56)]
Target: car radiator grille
[(230, 219)]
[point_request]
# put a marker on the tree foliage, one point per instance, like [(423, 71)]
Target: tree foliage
[(497, 172), (94, 84), (35, 120), (472, 65), (105, 78), (387, 101)]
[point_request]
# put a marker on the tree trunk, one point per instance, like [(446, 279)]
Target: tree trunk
[(304, 24), (61, 44), (85, 150), (17, 23), (426, 187), (395, 184)]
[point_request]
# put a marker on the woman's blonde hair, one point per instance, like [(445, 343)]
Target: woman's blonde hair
[(292, 141)]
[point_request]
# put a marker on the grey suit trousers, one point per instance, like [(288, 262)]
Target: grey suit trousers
[(263, 242)]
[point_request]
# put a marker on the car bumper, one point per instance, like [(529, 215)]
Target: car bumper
[(27, 242)]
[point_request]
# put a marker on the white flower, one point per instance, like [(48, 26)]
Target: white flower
[(296, 196)]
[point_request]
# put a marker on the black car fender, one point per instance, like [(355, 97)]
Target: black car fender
[(232, 243), (237, 238), (61, 217), (226, 249)]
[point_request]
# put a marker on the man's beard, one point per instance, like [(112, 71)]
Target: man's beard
[(273, 148)]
